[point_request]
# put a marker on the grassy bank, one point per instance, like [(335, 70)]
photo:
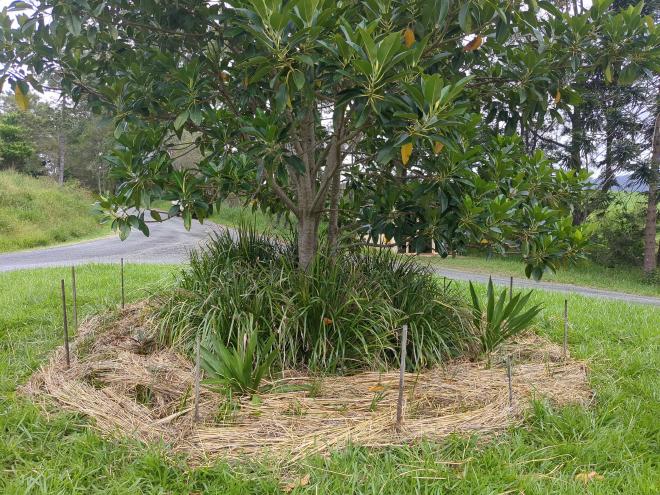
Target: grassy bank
[(38, 212), (617, 437)]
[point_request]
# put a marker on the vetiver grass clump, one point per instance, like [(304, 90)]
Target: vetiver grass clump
[(344, 313)]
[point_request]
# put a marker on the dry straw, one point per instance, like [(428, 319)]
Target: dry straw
[(131, 388)]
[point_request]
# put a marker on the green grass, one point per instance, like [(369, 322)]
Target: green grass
[(38, 212), (618, 436), (623, 279)]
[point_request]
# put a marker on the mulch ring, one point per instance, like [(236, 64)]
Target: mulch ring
[(132, 388)]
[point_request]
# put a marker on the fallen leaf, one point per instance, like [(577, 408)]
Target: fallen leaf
[(376, 388), (474, 44), (437, 147), (327, 321), (406, 151), (587, 477), (409, 37), (304, 481)]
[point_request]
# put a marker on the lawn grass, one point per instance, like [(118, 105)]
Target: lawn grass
[(588, 274), (618, 437), (38, 212)]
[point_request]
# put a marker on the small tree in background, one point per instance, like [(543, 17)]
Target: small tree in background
[(15, 148), (282, 96)]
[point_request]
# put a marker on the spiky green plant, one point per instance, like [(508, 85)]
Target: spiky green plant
[(499, 320), (239, 369)]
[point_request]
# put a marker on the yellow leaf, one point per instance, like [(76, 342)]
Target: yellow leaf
[(376, 388), (409, 37), (437, 147), (557, 96), (21, 98), (406, 151), (474, 44), (587, 477)]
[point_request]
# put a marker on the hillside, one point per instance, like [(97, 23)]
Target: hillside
[(37, 212)]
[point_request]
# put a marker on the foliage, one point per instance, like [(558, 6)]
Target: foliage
[(239, 369), (36, 212), (15, 149), (278, 95), (619, 235), (81, 136), (343, 313), (493, 196), (498, 320)]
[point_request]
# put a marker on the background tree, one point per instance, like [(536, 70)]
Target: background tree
[(282, 96), (15, 148)]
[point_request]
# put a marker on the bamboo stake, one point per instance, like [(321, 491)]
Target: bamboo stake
[(66, 329), (565, 349), (197, 377), (122, 284), (508, 374), (510, 288), (75, 298), (399, 405)]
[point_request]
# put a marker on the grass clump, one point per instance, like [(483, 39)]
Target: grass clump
[(344, 313), (37, 212)]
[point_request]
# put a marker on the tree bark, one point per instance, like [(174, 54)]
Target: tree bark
[(60, 146), (333, 216), (650, 256), (308, 232)]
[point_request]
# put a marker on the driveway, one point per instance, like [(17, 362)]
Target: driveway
[(169, 242)]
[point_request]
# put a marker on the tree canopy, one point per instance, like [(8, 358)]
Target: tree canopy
[(384, 113)]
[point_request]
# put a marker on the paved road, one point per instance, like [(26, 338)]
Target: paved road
[(169, 242), (524, 283)]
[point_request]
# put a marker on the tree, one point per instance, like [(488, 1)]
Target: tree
[(15, 149), (282, 96)]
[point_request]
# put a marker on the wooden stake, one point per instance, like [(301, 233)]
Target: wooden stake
[(510, 288), (399, 405), (197, 377), (75, 298), (508, 374), (565, 349), (122, 284), (66, 329)]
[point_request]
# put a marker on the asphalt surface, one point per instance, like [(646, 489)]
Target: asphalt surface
[(524, 283), (169, 242)]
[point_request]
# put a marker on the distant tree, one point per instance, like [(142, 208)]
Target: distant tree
[(15, 147)]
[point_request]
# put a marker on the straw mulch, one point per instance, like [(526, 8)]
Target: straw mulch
[(131, 388)]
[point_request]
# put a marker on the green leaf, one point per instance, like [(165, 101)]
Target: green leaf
[(299, 79), (181, 119)]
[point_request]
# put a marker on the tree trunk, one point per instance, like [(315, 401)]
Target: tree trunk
[(60, 146), (608, 175), (650, 256), (333, 216), (308, 232)]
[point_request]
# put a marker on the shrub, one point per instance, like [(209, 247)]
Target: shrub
[(239, 369), (344, 313), (619, 236)]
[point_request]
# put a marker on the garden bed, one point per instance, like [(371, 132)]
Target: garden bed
[(132, 388)]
